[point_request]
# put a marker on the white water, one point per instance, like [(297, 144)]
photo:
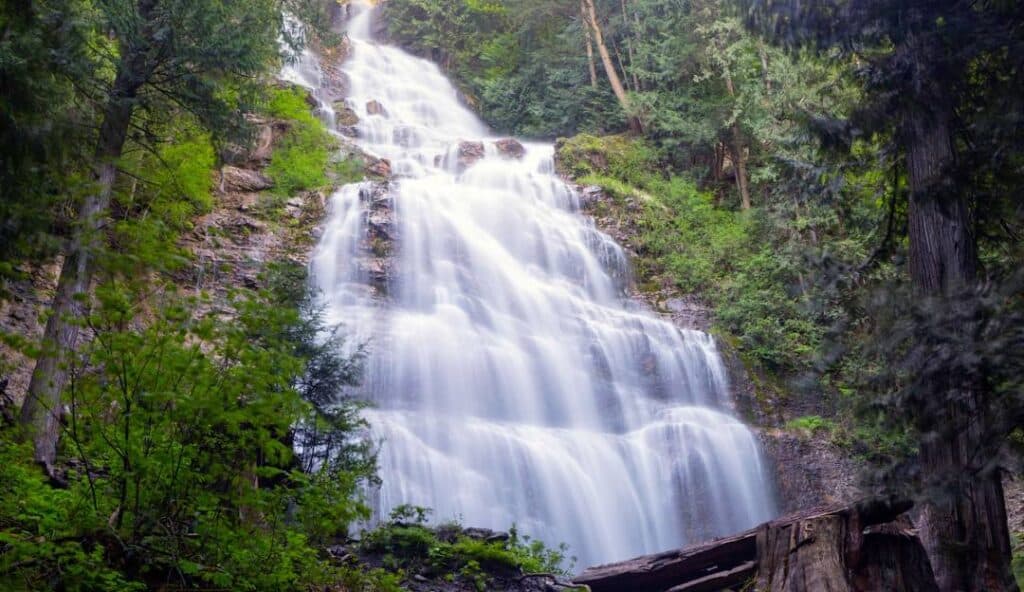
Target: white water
[(513, 381)]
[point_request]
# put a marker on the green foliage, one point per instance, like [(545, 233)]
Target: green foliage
[(182, 468), (518, 60), (808, 425), (158, 199), (686, 239), (349, 170), (408, 545), (301, 161), (43, 125)]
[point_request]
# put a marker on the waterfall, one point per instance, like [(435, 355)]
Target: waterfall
[(512, 379)]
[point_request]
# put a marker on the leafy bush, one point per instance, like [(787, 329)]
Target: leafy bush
[(179, 452), (408, 544), (808, 425)]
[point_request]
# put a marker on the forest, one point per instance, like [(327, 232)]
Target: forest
[(830, 189)]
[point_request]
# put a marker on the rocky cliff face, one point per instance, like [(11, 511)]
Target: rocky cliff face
[(230, 245)]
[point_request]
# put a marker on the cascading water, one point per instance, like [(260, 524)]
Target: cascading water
[(513, 381)]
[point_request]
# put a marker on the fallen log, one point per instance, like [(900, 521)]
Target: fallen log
[(833, 549), (737, 576), (672, 568)]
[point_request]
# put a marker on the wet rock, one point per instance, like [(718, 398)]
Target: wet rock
[(510, 148), (809, 470), (376, 194), (484, 534), (379, 167), (591, 194), (469, 153), (380, 224), (340, 553), (244, 180), (268, 132), (344, 115), (295, 206), (377, 270), (375, 108), (407, 137)]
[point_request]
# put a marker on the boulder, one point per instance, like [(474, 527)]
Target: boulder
[(469, 153), (510, 148), (379, 167), (344, 116), (375, 108), (244, 180), (267, 134), (591, 194)]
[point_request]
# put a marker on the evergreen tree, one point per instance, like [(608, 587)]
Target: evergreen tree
[(196, 56), (921, 62)]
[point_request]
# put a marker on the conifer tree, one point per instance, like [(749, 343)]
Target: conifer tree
[(922, 58), (164, 55)]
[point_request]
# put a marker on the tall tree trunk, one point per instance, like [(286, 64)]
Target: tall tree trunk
[(739, 155), (739, 158), (609, 66), (966, 531), (763, 54), (629, 48), (591, 64), (41, 411), (622, 65)]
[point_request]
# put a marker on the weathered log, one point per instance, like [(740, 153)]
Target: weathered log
[(833, 549), (804, 555), (672, 568), (737, 576)]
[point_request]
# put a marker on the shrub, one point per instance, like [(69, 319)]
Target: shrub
[(180, 461)]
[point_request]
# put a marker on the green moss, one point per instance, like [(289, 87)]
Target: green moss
[(291, 104), (349, 170), (302, 160)]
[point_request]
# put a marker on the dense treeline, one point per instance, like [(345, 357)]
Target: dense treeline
[(166, 433), (173, 438), (838, 179)]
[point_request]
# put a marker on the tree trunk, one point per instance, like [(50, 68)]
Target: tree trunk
[(609, 66), (622, 65), (41, 411), (866, 547), (763, 53), (966, 531), (629, 48), (739, 156), (591, 65)]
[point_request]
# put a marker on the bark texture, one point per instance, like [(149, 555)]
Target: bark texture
[(591, 64), (866, 547), (966, 530), (41, 410), (609, 66), (738, 151)]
